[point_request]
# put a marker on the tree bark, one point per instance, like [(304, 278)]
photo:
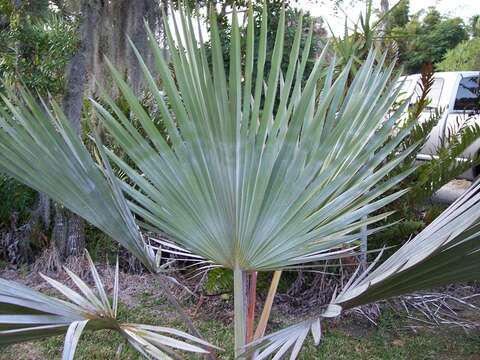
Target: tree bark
[(69, 228), (384, 8)]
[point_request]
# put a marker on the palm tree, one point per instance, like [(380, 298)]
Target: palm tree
[(255, 173)]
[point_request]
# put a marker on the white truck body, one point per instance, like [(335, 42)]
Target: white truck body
[(458, 95)]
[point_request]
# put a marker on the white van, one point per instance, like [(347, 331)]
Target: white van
[(458, 94)]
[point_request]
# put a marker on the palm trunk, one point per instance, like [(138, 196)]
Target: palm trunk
[(252, 297), (240, 315)]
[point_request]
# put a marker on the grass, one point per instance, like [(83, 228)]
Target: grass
[(348, 339)]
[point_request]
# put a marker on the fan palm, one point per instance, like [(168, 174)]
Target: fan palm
[(256, 172)]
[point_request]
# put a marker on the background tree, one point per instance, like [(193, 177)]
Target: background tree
[(475, 26), (58, 49), (424, 39), (37, 46), (399, 15), (224, 9), (464, 57)]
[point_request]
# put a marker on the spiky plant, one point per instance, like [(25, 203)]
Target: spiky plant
[(256, 173), (27, 315)]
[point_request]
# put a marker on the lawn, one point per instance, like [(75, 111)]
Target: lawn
[(349, 338)]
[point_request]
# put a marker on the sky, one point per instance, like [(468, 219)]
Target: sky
[(336, 19), (462, 8)]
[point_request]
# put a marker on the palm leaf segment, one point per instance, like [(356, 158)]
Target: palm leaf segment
[(445, 252), (256, 174), (27, 315), (40, 149)]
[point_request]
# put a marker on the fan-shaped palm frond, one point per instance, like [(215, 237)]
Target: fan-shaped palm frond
[(262, 180), (26, 315), (446, 251), (246, 182)]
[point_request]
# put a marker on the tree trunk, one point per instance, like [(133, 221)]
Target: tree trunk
[(138, 12), (384, 8), (69, 228), (60, 230)]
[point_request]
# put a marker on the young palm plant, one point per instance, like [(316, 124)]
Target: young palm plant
[(27, 315), (257, 172)]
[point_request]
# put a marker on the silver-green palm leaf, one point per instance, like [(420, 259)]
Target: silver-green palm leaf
[(257, 173), (39, 147), (27, 315)]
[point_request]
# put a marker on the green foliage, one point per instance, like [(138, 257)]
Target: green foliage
[(292, 17), (219, 280), (399, 15), (475, 25), (426, 39), (396, 234), (36, 45), (37, 50), (100, 246), (356, 43), (274, 10), (431, 175), (464, 57), (16, 200)]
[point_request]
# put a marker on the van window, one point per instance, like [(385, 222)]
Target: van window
[(405, 85), (434, 94), (468, 92)]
